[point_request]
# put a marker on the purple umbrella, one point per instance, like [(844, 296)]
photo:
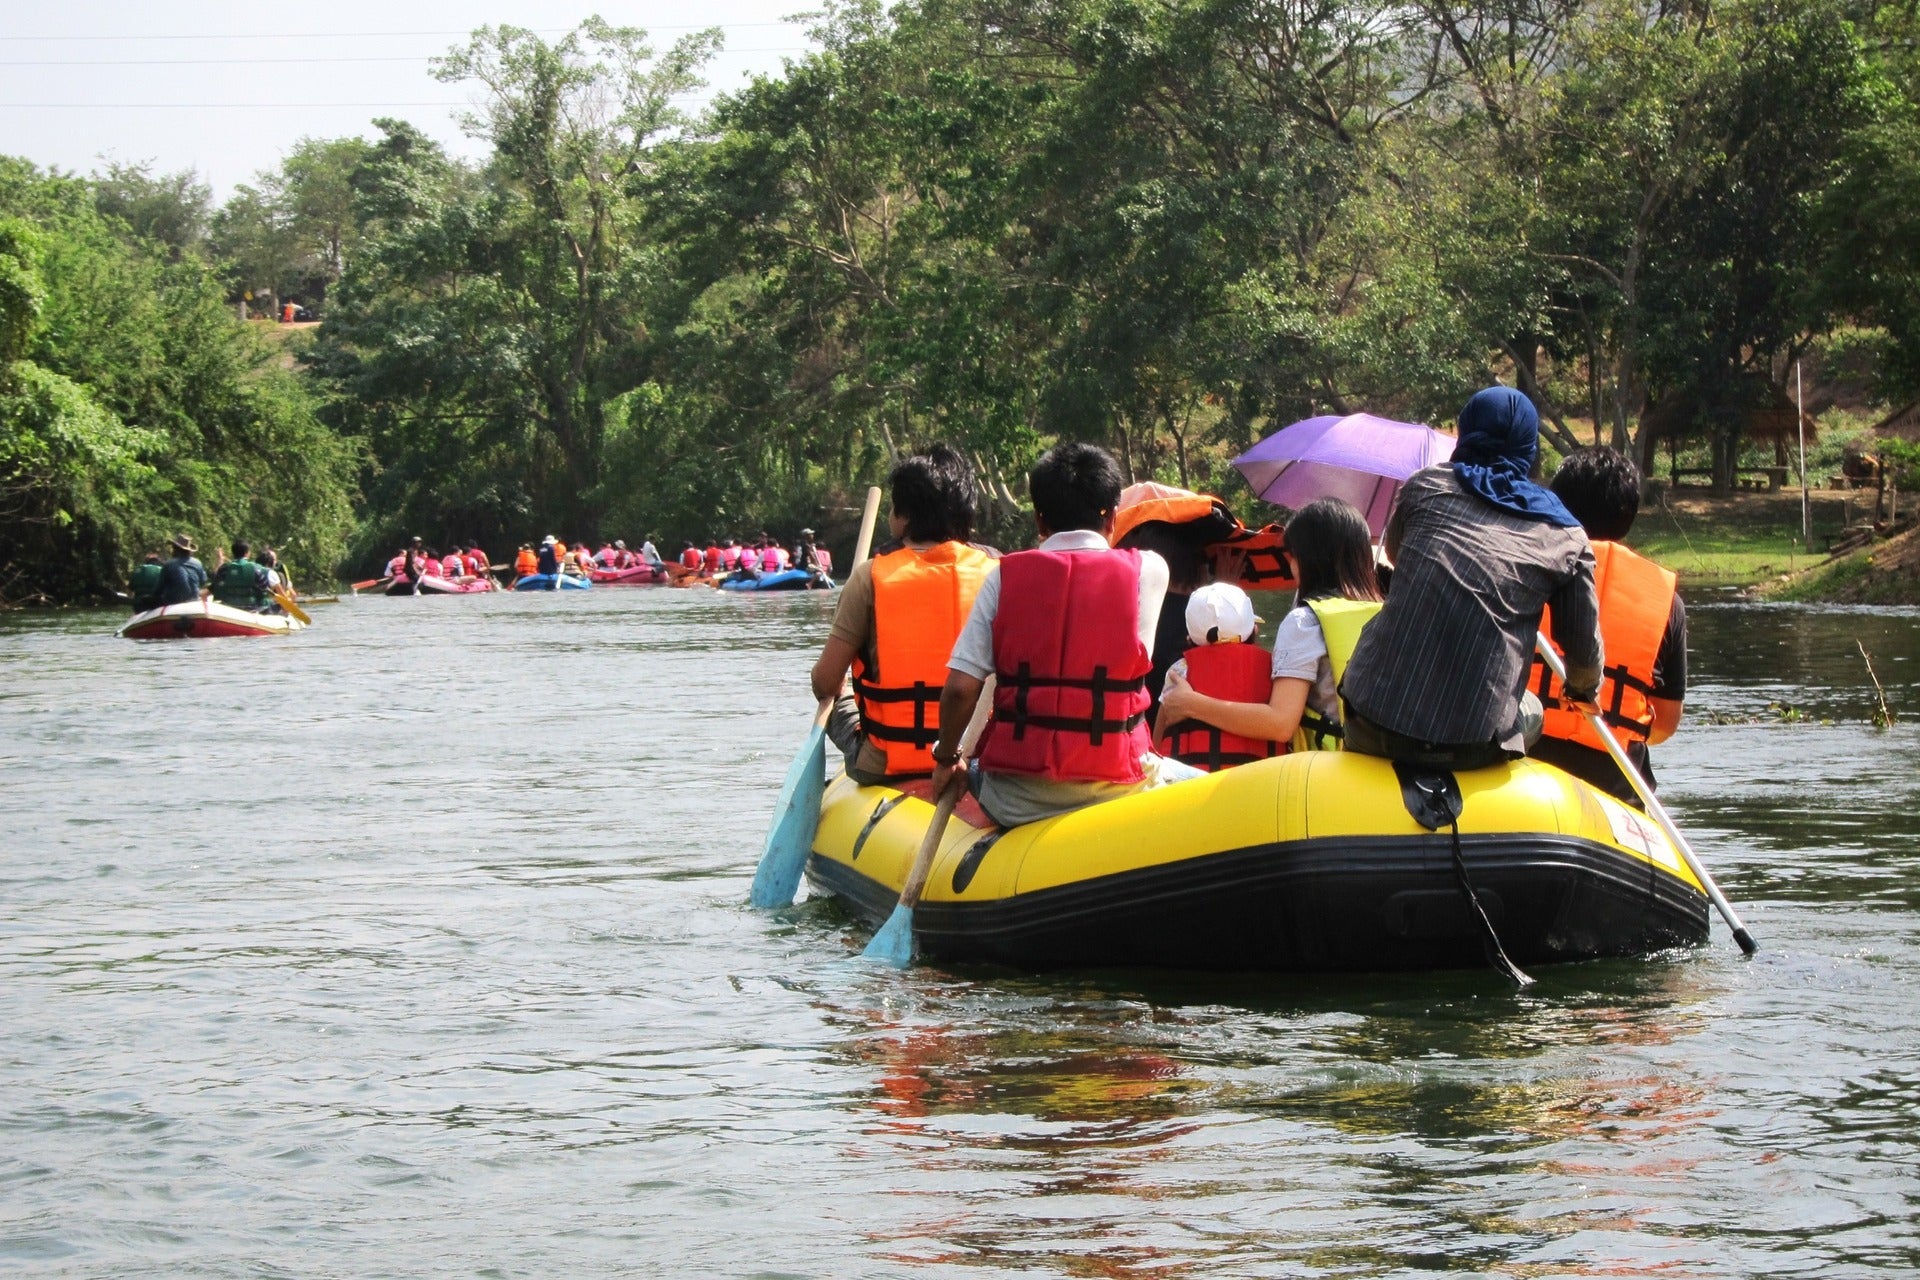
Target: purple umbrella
[(1361, 458)]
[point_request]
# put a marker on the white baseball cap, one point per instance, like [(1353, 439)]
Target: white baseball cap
[(1220, 611)]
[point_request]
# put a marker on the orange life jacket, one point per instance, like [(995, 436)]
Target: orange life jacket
[(1636, 597), (1232, 672), (920, 601), (526, 564)]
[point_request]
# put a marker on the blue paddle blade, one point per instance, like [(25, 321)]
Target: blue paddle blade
[(795, 817), (893, 944)]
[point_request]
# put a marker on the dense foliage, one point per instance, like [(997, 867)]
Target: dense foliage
[(1167, 225), (133, 404)]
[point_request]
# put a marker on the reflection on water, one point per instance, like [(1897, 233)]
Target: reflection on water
[(413, 945)]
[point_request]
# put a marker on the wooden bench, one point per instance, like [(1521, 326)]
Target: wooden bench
[(1771, 479)]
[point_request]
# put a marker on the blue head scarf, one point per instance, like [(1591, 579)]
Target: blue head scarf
[(1499, 435)]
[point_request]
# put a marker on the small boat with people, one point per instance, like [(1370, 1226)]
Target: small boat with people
[(206, 618), (552, 582), (1015, 791)]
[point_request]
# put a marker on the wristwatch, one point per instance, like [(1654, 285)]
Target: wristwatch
[(949, 756)]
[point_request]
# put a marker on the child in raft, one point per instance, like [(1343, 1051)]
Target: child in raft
[(1332, 553), (1223, 662)]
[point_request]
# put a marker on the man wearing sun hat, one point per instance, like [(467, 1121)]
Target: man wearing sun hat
[(182, 577)]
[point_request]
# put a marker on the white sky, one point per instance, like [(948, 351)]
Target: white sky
[(226, 88)]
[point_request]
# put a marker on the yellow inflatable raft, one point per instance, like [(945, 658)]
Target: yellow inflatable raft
[(1306, 862)]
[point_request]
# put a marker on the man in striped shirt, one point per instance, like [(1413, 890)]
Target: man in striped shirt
[(1439, 677)]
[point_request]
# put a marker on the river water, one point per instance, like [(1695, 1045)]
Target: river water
[(414, 945)]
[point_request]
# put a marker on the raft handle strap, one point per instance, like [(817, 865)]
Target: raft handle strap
[(1433, 798)]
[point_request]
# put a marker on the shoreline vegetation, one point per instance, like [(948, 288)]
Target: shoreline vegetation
[(1170, 229)]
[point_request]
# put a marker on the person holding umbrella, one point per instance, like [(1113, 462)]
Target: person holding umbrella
[(1439, 678)]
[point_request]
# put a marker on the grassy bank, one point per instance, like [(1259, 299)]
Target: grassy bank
[(1741, 540), (1884, 573)]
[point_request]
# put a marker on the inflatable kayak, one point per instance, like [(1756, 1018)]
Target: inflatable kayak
[(429, 585), (204, 618), (544, 582), (639, 576), (785, 580), (1308, 862)]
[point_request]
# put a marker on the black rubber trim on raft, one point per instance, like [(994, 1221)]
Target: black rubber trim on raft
[(970, 861), (880, 811), (1348, 903)]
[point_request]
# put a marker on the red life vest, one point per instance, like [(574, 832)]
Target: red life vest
[(1071, 703), (691, 558), (1233, 673), (713, 559), (453, 566)]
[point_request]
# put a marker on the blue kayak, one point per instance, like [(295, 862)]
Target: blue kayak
[(544, 582), (785, 580)]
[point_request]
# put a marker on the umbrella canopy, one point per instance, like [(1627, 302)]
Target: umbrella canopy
[(1360, 458)]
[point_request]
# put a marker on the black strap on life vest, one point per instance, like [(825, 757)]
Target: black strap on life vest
[(1213, 759), (1266, 564), (1620, 680), (1320, 729), (922, 695), (1096, 726)]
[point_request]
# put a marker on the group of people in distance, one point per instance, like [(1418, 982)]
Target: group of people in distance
[(243, 581), (1430, 661), (416, 561), (734, 560), (554, 557)]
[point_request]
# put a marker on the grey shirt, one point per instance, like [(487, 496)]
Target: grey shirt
[(1447, 658)]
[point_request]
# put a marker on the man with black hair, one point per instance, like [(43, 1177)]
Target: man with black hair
[(239, 583), (1643, 624), (1067, 631), (896, 622)]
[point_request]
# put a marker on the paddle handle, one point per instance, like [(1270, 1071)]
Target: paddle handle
[(869, 517), (944, 803), (1655, 809)]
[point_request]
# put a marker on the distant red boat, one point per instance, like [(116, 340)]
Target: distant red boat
[(206, 618), (641, 575)]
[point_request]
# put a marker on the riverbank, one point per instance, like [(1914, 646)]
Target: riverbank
[(1884, 572), (1741, 540)]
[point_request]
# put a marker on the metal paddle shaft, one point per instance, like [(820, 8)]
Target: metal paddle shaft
[(893, 944), (1655, 809), (796, 814)]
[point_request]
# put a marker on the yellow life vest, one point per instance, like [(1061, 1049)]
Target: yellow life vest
[(1341, 621)]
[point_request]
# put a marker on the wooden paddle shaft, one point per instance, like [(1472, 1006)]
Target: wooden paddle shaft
[(1655, 810), (944, 804), (869, 517)]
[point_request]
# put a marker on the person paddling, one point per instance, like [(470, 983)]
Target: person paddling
[(895, 625), (1643, 622), (240, 583), (1293, 702), (1067, 631)]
